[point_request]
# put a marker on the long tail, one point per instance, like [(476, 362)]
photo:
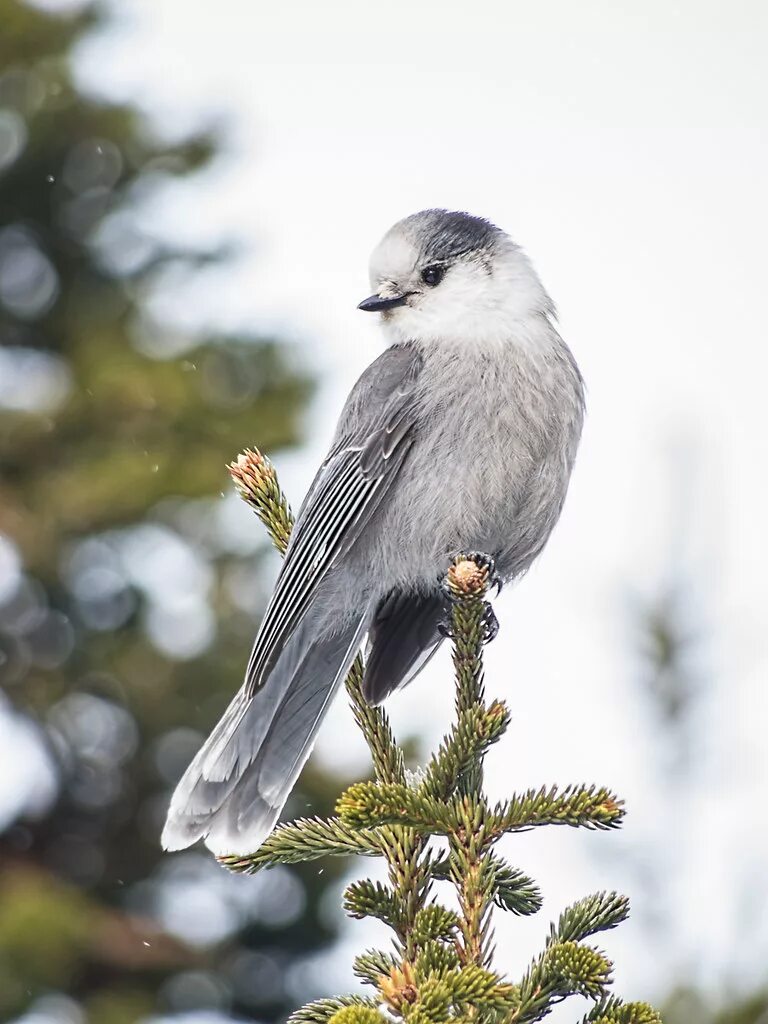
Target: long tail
[(233, 791)]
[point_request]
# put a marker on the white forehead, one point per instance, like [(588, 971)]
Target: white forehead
[(394, 257)]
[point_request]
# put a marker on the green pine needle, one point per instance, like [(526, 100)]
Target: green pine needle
[(357, 1014), (308, 839), (434, 922), (369, 804), (614, 1011), (435, 958), (596, 913), (513, 890), (323, 1010), (372, 899), (578, 970), (371, 965), (578, 806)]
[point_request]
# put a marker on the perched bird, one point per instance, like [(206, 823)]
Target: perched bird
[(460, 436)]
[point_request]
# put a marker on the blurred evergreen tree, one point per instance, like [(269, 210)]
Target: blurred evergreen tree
[(672, 635), (126, 606), (687, 1006)]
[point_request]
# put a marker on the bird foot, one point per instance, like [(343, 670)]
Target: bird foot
[(490, 622), (481, 559), (444, 626)]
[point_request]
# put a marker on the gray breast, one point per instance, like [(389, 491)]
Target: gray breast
[(497, 439)]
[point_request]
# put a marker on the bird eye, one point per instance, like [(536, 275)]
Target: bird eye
[(432, 275)]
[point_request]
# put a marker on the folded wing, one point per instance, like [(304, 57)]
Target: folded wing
[(375, 432)]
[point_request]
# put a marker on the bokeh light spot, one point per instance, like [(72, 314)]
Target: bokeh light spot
[(13, 137), (29, 284)]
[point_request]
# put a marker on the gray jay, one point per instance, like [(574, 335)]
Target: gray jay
[(460, 436)]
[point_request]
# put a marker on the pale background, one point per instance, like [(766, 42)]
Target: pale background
[(625, 146)]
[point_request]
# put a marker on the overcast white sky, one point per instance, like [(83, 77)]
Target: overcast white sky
[(625, 146)]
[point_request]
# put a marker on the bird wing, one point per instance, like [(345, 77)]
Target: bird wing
[(374, 435), (402, 636)]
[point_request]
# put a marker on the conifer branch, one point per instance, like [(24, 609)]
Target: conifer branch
[(308, 839), (598, 913), (614, 1011), (578, 806), (323, 1010), (370, 966), (441, 967), (255, 478), (513, 890)]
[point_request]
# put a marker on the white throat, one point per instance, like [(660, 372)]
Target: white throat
[(478, 308)]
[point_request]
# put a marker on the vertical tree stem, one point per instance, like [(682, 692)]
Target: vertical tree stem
[(468, 845), (408, 868), (408, 874)]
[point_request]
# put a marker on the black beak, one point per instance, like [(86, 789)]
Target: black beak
[(375, 303)]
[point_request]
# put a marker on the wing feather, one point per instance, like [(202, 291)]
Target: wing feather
[(373, 439)]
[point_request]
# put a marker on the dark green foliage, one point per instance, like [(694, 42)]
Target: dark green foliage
[(129, 450), (596, 913), (324, 1010), (441, 968), (614, 1011), (576, 968), (372, 899), (514, 891), (308, 839), (358, 1015), (686, 1005), (370, 966), (434, 922), (476, 729)]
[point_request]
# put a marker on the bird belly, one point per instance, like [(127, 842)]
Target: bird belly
[(488, 471), (454, 494)]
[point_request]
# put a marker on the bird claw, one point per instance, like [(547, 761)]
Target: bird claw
[(489, 620), (444, 628), (491, 624)]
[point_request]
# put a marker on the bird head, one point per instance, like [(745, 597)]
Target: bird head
[(445, 277)]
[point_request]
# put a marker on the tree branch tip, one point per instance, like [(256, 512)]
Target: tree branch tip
[(251, 470), (467, 576)]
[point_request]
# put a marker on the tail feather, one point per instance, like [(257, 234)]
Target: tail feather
[(403, 636), (233, 791)]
